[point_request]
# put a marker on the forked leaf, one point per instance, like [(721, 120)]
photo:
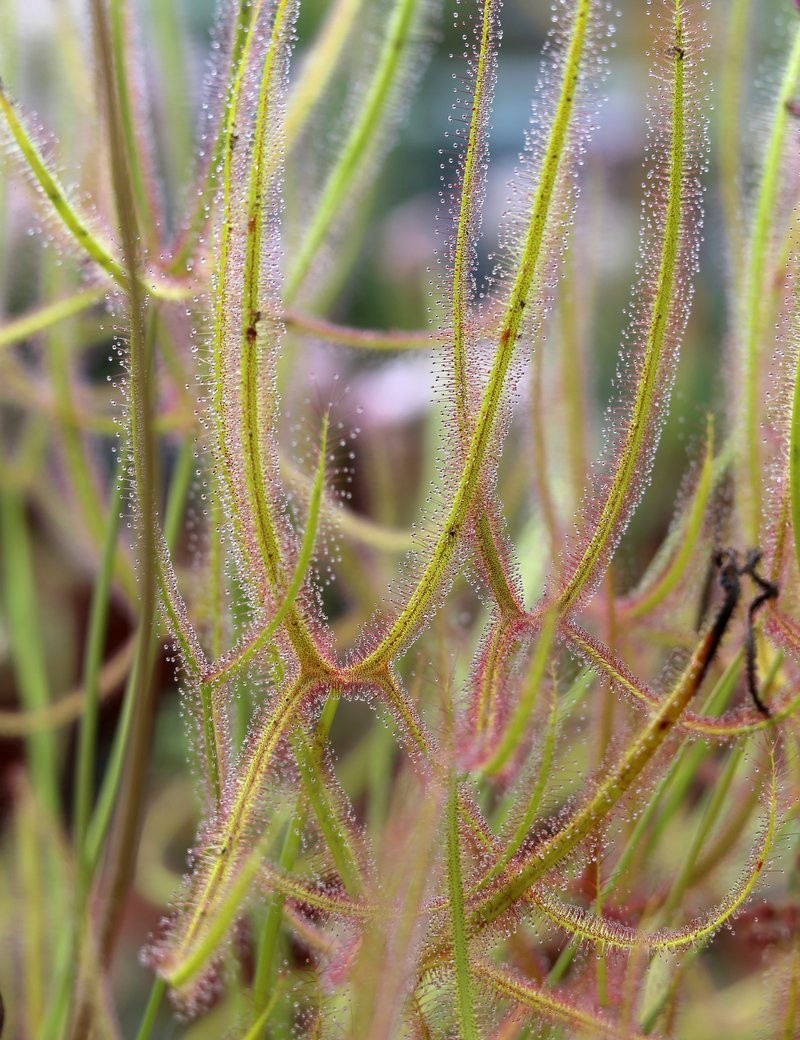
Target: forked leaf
[(435, 572), (660, 323), (232, 664)]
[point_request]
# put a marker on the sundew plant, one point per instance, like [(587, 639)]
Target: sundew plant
[(371, 683)]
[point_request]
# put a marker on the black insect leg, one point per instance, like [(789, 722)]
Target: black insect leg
[(769, 590), (727, 562), (730, 575)]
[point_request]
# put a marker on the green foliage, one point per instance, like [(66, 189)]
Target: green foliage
[(457, 778)]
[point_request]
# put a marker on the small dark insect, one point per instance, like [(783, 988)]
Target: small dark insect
[(730, 573)]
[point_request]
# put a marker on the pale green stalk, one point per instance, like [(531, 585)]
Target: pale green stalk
[(464, 251), (228, 138), (151, 1010), (468, 1029), (112, 777), (225, 913), (254, 332), (702, 931), (257, 1029), (319, 66), (617, 781), (118, 15), (605, 932), (352, 524), (25, 644), (169, 34), (532, 800), (266, 957), (329, 818), (356, 148), (255, 407), (60, 351), (234, 662), (573, 364), (30, 324), (93, 655), (668, 796), (29, 891), (212, 890), (463, 265), (214, 175)]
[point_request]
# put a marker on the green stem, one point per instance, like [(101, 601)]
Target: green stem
[(170, 40), (125, 835), (119, 35), (93, 653), (468, 1029), (27, 654), (28, 325), (266, 958), (151, 1010), (319, 66), (355, 148), (707, 820), (731, 102)]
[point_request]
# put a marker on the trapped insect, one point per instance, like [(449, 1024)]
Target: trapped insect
[(730, 573)]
